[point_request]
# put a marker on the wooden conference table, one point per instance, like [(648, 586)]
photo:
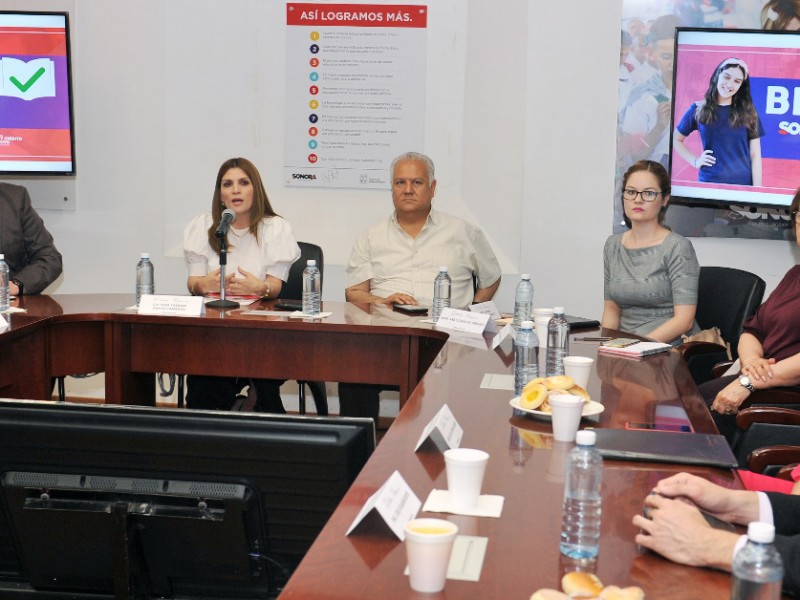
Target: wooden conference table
[(60, 335), (526, 467), (69, 334)]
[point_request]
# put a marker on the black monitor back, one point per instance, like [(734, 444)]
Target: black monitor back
[(212, 504)]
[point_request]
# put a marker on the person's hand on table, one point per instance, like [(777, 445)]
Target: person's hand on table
[(400, 298), (673, 526), (202, 285), (731, 506), (244, 283)]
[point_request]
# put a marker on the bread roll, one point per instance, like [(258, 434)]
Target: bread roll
[(612, 592), (579, 582), (559, 382), (546, 594), (577, 390), (532, 396)]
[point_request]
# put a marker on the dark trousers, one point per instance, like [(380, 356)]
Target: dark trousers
[(219, 393), (361, 399)]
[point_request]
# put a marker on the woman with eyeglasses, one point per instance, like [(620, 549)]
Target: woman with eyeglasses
[(651, 273), (769, 348), (729, 128)]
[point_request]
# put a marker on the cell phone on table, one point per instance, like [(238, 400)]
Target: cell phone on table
[(658, 427), (411, 309), (620, 342), (289, 305)]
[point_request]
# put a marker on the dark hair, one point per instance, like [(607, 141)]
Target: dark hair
[(743, 113), (777, 14), (261, 206), (660, 174), (663, 28)]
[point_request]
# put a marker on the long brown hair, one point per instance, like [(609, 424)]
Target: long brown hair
[(743, 112), (261, 206)]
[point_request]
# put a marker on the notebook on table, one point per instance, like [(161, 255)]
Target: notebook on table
[(666, 447)]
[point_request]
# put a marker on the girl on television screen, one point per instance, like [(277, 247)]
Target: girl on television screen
[(729, 127)]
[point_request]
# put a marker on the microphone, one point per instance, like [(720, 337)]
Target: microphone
[(222, 229)]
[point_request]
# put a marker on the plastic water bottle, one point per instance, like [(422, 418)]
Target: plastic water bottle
[(757, 567), (145, 277), (4, 283), (526, 356), (557, 342), (523, 301), (312, 285), (580, 529), (441, 293)]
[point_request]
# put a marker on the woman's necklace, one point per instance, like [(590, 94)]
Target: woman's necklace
[(235, 232)]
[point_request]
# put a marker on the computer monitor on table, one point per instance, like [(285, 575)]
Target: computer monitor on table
[(102, 501)]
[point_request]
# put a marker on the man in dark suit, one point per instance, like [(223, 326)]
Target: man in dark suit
[(672, 525), (32, 258)]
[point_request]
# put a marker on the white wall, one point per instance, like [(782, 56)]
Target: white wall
[(520, 119)]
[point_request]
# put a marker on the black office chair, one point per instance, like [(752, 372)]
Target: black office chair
[(726, 299), (293, 289), (768, 435)]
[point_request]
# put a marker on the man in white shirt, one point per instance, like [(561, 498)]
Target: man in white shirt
[(396, 261)]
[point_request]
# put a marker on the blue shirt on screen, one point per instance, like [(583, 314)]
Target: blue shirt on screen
[(731, 146)]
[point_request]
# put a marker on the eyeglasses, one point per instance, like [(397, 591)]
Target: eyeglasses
[(647, 195)]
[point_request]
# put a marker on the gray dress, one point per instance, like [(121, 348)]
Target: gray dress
[(646, 283)]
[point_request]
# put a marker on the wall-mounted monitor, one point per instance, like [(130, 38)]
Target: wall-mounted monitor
[(36, 121), (111, 502), (736, 117)]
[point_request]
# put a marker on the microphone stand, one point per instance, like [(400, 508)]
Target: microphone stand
[(223, 260)]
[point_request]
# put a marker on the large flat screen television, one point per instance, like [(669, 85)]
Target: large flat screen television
[(36, 123), (736, 118), (117, 502)]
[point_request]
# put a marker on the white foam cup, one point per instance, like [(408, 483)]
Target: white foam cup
[(465, 468), (579, 368), (566, 416), (429, 543)]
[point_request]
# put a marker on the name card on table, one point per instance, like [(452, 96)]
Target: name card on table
[(465, 321), (180, 306), (3, 322), (443, 430), (486, 308), (394, 502), (501, 335)]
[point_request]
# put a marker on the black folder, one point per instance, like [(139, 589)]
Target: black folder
[(666, 447), (581, 322)]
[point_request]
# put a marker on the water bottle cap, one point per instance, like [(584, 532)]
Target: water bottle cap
[(760, 532), (526, 325), (586, 437), (442, 269), (311, 263), (558, 310), (525, 276), (145, 255)]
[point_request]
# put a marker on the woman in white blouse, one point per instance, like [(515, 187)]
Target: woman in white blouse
[(261, 249)]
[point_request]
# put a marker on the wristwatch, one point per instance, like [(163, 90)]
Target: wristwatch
[(744, 381), (19, 286)]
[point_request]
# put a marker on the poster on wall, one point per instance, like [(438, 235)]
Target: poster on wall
[(647, 60), (355, 91)]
